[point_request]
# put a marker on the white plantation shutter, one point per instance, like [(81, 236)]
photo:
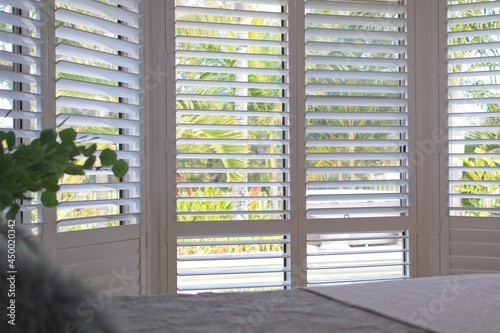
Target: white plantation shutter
[(233, 151), (473, 118), (99, 96), (357, 127), (357, 139), (21, 81), (98, 68)]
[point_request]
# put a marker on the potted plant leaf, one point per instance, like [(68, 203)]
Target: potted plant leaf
[(37, 166)]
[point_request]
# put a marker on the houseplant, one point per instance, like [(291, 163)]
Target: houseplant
[(43, 297), (37, 166)]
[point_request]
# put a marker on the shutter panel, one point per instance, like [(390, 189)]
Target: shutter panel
[(232, 143), (21, 83), (357, 139), (357, 127), (80, 83), (98, 68), (473, 118)]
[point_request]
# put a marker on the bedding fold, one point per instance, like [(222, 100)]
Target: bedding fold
[(445, 304)]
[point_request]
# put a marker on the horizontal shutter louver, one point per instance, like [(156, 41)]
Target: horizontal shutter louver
[(104, 9), (29, 5)]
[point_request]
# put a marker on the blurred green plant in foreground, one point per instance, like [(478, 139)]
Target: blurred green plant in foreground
[(38, 166)]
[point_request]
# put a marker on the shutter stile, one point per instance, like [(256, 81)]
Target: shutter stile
[(356, 109), (98, 94)]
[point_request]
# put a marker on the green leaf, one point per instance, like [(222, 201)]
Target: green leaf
[(120, 168), (48, 136), (12, 212), (89, 163), (50, 183), (25, 178), (67, 135), (6, 198), (49, 199), (72, 169), (11, 140), (108, 157), (90, 150)]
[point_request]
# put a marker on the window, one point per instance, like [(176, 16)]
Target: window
[(293, 133), (233, 143), (356, 126), (236, 120)]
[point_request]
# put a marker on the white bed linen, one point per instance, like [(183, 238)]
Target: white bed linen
[(285, 311), (445, 304)]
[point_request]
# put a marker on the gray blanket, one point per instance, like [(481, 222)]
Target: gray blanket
[(443, 304), (292, 311)]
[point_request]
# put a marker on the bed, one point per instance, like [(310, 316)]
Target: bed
[(454, 304), (49, 299)]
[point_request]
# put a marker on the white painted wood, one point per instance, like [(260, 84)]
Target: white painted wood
[(441, 100), (475, 263), (167, 209), (105, 267), (474, 236), (117, 284), (472, 223), (475, 249), (48, 104), (96, 252), (469, 271), (469, 244), (97, 236)]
